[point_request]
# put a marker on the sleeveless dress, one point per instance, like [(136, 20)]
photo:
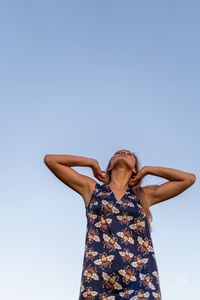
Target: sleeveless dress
[(119, 260)]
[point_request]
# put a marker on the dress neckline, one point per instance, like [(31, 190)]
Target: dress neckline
[(118, 201)]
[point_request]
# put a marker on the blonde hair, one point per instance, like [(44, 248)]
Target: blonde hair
[(137, 189)]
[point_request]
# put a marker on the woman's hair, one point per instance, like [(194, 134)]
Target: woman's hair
[(137, 189)]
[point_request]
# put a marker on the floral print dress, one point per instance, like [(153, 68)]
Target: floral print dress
[(119, 260)]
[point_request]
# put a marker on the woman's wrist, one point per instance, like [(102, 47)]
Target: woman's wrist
[(92, 162), (145, 170)]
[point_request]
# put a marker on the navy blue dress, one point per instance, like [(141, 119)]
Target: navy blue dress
[(119, 260)]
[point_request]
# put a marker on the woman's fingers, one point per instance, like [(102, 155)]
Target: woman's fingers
[(133, 181), (103, 177)]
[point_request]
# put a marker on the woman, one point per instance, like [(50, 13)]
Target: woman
[(119, 259)]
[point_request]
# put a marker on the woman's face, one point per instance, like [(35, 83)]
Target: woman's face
[(123, 155)]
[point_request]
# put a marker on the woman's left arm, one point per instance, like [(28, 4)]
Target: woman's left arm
[(178, 182)]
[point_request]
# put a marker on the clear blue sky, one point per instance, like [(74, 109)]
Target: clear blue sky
[(88, 78)]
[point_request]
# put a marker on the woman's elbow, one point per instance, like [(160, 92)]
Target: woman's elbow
[(192, 178)]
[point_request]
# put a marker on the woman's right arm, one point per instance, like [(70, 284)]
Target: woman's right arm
[(60, 166)]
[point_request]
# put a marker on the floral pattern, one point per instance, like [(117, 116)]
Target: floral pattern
[(119, 260)]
